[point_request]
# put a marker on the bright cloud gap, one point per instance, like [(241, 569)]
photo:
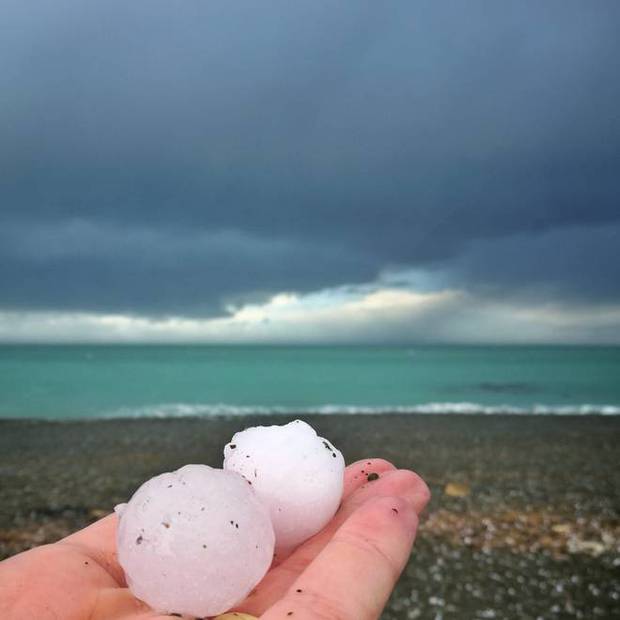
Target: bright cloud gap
[(374, 314)]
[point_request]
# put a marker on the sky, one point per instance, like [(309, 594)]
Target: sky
[(310, 172)]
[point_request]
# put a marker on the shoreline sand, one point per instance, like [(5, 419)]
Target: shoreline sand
[(524, 520)]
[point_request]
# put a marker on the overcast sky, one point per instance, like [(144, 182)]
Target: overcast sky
[(310, 171)]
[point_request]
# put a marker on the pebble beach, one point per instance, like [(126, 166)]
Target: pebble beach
[(524, 521)]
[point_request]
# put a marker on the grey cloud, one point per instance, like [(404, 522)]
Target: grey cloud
[(77, 265), (569, 264), (330, 142)]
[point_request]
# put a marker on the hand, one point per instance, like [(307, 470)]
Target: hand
[(345, 572)]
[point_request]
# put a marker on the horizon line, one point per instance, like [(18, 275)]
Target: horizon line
[(52, 343)]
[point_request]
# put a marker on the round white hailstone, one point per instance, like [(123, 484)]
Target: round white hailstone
[(194, 541), (298, 475)]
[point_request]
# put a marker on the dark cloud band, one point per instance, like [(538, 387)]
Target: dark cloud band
[(164, 159)]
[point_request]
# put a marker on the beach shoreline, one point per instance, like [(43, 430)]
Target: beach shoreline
[(524, 520)]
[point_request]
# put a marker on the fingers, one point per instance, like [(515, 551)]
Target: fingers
[(402, 483), (352, 578), (355, 474), (282, 575), (391, 482)]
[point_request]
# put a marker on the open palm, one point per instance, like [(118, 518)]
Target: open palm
[(345, 572)]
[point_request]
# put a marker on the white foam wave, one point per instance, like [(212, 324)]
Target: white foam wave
[(176, 410)]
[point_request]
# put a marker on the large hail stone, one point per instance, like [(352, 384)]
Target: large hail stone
[(194, 541), (298, 476)]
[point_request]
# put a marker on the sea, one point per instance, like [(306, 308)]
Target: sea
[(111, 381)]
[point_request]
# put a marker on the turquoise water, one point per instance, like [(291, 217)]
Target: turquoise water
[(84, 381)]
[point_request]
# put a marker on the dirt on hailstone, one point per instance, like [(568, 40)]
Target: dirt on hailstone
[(524, 521)]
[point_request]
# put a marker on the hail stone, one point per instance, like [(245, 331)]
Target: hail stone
[(194, 541), (298, 475)]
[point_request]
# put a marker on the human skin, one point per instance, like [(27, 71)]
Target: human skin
[(345, 572)]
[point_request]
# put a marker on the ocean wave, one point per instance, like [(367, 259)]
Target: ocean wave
[(181, 410)]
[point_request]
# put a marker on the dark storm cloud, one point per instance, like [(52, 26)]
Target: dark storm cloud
[(124, 270), (574, 264), (161, 157)]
